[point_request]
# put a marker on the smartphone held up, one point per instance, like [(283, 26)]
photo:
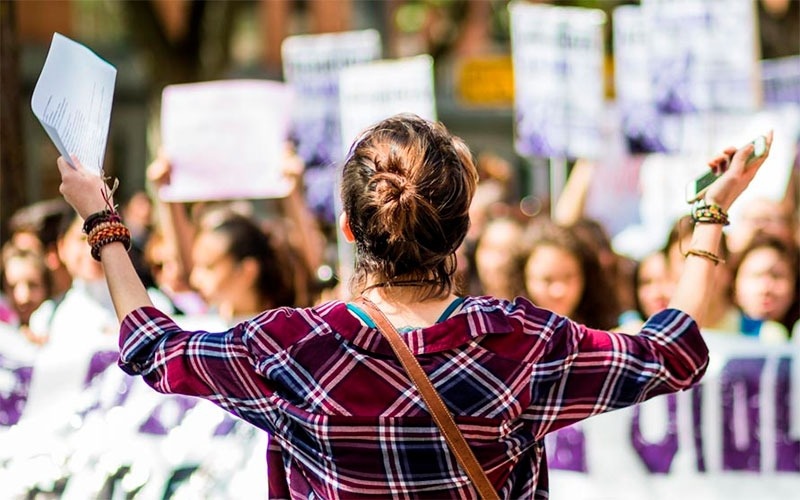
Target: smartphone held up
[(696, 189)]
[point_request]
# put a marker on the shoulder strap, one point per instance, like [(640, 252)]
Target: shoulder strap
[(439, 412)]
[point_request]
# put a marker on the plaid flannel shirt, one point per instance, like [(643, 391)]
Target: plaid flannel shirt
[(346, 422)]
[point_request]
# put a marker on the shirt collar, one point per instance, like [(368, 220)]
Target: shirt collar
[(478, 316)]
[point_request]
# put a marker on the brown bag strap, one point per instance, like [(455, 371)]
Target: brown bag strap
[(439, 412)]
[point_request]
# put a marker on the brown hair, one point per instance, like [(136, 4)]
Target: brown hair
[(790, 253), (597, 307), (407, 184)]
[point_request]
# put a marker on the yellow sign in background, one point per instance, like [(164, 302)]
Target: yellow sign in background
[(486, 81)]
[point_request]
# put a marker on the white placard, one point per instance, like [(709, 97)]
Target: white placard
[(226, 139), (373, 91), (72, 100), (558, 58), (641, 124), (311, 65), (702, 55)]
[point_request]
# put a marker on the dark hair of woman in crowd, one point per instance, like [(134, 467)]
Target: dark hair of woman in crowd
[(598, 305), (790, 254), (406, 227), (246, 239), (619, 269)]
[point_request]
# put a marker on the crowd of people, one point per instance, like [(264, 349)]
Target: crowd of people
[(239, 257)]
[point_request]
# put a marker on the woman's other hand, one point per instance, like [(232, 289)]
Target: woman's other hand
[(736, 173), (158, 172)]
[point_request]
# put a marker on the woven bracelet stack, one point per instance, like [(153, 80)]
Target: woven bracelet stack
[(104, 227), (707, 213)]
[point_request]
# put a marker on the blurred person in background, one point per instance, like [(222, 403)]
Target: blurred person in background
[(653, 290), (26, 283), (563, 274), (763, 215), (493, 196), (766, 287), (87, 302), (161, 256), (36, 227), (238, 270), (497, 255), (617, 268)]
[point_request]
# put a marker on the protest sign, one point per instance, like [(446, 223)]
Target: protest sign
[(780, 80), (702, 55), (558, 59), (640, 120), (674, 58), (225, 139), (373, 91), (72, 100), (311, 65)]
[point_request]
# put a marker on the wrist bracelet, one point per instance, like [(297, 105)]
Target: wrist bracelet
[(716, 259), (709, 213), (105, 215), (108, 232)]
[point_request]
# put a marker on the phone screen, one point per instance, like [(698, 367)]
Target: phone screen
[(696, 188)]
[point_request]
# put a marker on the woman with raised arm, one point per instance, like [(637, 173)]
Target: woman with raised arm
[(345, 419)]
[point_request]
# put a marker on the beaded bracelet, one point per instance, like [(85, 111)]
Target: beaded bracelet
[(105, 231), (109, 232), (716, 259), (709, 213), (99, 227)]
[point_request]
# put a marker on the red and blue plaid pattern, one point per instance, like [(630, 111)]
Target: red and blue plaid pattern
[(345, 421)]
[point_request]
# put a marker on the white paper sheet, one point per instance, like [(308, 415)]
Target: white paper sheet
[(72, 100), (226, 139)]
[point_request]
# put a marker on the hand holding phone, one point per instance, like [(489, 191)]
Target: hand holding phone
[(696, 189)]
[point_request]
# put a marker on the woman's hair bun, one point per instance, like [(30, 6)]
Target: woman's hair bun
[(395, 197)]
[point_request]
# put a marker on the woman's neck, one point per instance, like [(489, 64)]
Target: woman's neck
[(403, 307)]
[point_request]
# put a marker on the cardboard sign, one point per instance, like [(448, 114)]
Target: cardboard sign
[(225, 139)]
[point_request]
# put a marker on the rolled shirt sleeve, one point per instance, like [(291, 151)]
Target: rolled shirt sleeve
[(584, 372), (215, 366)]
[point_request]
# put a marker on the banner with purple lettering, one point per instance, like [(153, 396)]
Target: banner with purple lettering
[(75, 426), (734, 436)]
